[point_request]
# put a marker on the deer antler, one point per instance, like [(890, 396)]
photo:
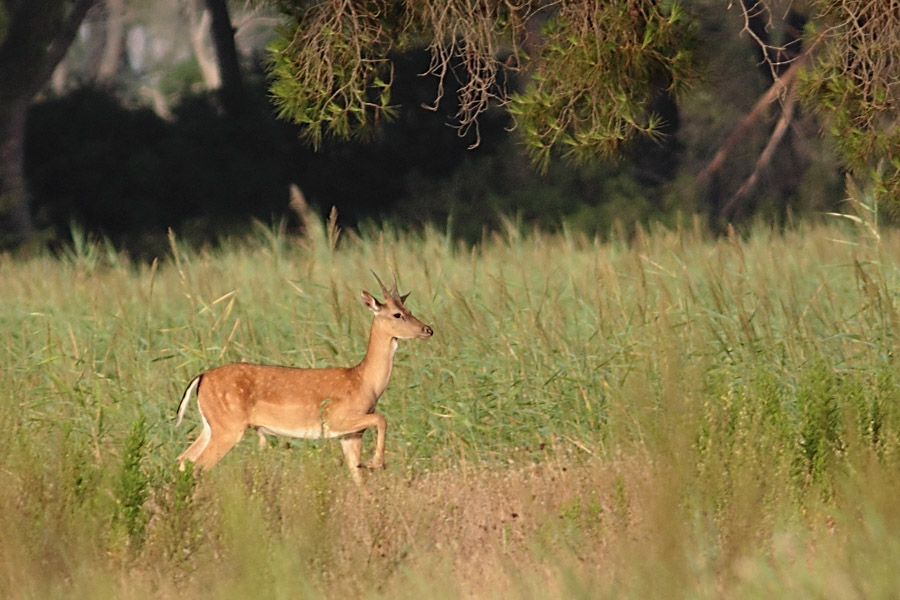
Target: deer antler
[(387, 293), (393, 292)]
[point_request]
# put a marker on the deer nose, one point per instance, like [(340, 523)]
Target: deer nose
[(428, 330)]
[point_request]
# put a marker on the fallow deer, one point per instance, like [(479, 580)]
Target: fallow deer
[(336, 402)]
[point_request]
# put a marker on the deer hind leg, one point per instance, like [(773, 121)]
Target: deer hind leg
[(352, 447), (197, 447), (214, 442), (221, 441)]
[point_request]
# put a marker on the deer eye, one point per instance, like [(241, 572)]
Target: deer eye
[(398, 316)]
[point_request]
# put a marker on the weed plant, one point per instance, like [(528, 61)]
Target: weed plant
[(668, 416)]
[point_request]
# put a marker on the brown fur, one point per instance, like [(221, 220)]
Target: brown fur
[(303, 403)]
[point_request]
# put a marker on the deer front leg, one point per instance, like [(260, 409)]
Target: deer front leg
[(352, 447), (358, 424), (377, 461)]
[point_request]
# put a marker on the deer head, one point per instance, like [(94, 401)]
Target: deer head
[(392, 315)]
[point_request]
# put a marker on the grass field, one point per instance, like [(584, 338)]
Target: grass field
[(675, 416)]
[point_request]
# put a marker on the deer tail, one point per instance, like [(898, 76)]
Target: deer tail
[(185, 400)]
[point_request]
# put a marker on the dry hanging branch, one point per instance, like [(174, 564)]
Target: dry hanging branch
[(853, 79), (476, 34), (590, 76), (776, 90), (765, 157), (324, 74)]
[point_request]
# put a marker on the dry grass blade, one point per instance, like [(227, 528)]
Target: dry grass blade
[(671, 416)]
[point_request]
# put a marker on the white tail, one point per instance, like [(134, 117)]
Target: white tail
[(304, 403), (185, 400)]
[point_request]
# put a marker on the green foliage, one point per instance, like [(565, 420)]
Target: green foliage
[(589, 84), (132, 484), (329, 72), (178, 532), (722, 412), (180, 80), (867, 146), (592, 200), (597, 69), (820, 422), (590, 81), (852, 84)]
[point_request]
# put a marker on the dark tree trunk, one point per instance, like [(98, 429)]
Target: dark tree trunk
[(233, 95), (15, 213), (38, 34)]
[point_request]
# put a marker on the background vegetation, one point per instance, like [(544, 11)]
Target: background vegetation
[(678, 415), (140, 127)]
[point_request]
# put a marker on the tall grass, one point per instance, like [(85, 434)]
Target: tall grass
[(668, 416)]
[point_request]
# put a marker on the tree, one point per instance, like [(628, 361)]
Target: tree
[(34, 37), (233, 94), (854, 82), (332, 71), (589, 71), (842, 66)]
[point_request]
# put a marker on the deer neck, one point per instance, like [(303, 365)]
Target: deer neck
[(378, 362)]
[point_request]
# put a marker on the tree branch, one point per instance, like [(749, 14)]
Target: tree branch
[(774, 92), (765, 157)]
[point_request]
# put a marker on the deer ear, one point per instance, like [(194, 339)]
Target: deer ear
[(370, 302)]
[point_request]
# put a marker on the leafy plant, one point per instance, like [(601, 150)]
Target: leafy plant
[(132, 484)]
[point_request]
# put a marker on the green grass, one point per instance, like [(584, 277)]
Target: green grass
[(675, 416)]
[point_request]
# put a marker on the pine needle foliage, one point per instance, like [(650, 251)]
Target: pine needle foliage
[(579, 77), (597, 70), (592, 69)]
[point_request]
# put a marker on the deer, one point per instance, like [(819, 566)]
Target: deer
[(305, 403)]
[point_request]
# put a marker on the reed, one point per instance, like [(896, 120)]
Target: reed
[(671, 415)]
